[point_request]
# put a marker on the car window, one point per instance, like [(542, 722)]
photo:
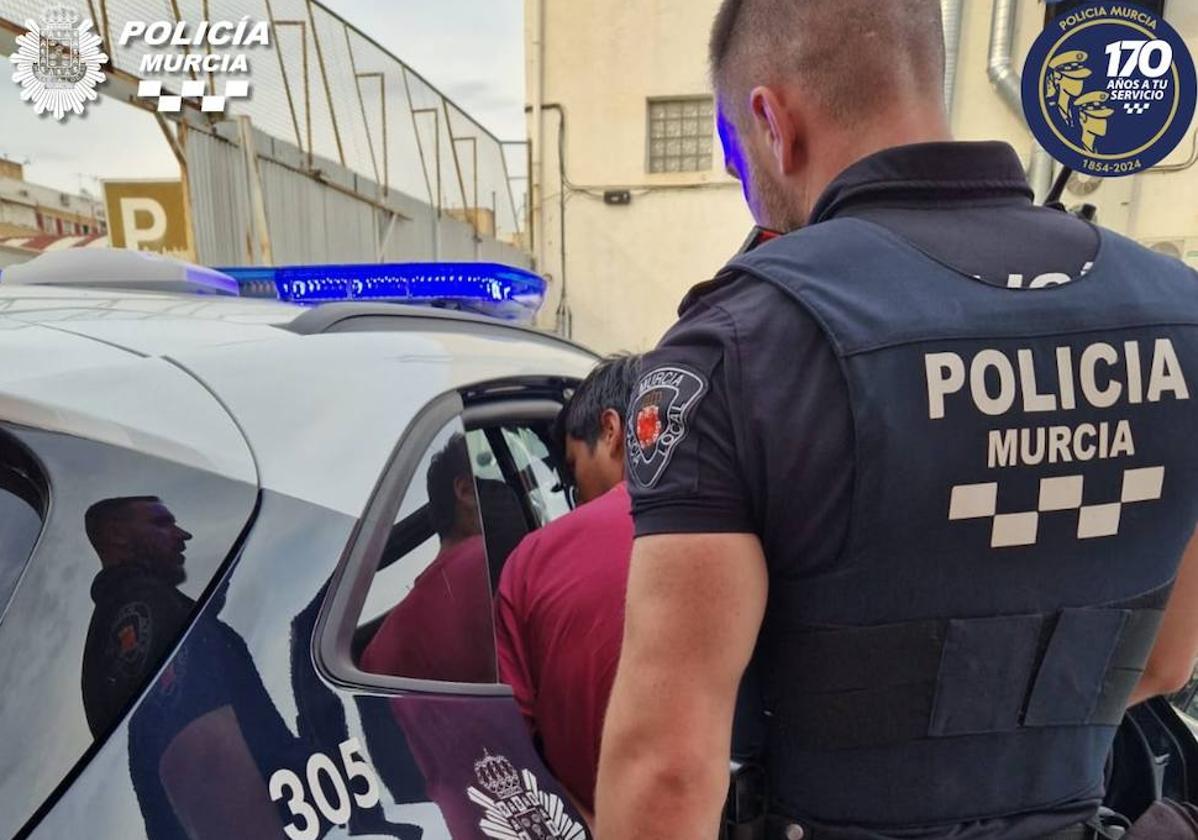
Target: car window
[(22, 504), (129, 544), (539, 471), (428, 612)]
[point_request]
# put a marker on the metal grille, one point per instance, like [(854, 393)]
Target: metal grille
[(329, 89), (680, 134)]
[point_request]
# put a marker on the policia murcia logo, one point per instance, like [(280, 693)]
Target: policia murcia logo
[(1109, 89), (657, 419), (58, 62)]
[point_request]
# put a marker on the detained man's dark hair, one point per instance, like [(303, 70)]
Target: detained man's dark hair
[(608, 385), (446, 467), (101, 516)]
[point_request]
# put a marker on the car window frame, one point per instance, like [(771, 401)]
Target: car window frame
[(350, 584), (21, 470)]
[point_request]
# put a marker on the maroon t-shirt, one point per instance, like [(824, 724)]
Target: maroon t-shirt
[(559, 626), (442, 629)]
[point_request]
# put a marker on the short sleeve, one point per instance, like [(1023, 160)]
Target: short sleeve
[(684, 469)]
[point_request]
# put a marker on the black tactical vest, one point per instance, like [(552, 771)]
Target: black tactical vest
[(1026, 477)]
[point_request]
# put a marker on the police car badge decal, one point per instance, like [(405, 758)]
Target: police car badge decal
[(515, 806), (657, 419), (1109, 89), (58, 62)]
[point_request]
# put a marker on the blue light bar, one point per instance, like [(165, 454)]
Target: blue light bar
[(500, 291)]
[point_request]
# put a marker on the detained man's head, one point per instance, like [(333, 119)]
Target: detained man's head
[(804, 88), (592, 426)]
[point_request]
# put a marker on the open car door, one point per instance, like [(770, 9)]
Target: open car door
[(1156, 755)]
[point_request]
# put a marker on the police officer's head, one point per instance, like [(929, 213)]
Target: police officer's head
[(452, 502), (805, 88), (591, 426), (138, 530)]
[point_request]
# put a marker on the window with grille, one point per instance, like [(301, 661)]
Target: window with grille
[(680, 134)]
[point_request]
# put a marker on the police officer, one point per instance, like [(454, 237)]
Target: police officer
[(926, 460), (139, 612)]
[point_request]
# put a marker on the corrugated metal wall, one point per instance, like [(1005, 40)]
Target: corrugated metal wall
[(220, 201), (310, 221)]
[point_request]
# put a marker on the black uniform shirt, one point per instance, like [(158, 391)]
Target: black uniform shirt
[(138, 617), (767, 446)]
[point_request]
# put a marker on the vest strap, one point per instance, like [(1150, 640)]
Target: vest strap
[(874, 686)]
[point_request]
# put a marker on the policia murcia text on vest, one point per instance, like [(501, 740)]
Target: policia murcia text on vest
[(1103, 376), (934, 526)]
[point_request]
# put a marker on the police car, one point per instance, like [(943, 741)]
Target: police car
[(248, 548)]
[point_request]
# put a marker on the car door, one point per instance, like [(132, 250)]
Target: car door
[(1155, 755), (408, 627)]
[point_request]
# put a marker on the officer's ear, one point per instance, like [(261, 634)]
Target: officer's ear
[(780, 126)]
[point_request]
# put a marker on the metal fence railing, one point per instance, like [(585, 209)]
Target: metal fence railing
[(329, 88)]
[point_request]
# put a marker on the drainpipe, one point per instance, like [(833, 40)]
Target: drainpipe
[(537, 164), (950, 12), (1000, 68)]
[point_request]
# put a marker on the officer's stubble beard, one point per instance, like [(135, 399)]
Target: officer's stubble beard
[(775, 204)]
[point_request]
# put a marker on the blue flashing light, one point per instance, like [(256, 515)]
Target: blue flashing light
[(488, 288)]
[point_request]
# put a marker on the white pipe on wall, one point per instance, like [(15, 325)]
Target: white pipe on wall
[(1000, 68), (951, 12)]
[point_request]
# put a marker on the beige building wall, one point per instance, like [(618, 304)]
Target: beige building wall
[(627, 267)]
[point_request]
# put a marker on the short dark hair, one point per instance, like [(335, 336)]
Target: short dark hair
[(608, 385), (101, 516), (851, 54), (445, 468)]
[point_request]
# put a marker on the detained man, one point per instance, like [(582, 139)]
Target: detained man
[(560, 609)]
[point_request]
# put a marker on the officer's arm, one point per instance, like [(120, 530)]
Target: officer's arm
[(213, 783), (1171, 664), (695, 604)]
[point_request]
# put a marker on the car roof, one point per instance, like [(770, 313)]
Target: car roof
[(319, 396), (164, 323)]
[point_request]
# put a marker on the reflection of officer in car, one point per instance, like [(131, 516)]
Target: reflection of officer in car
[(139, 612), (442, 629), (191, 764), (926, 460)]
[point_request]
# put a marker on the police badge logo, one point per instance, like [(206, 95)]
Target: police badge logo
[(1109, 89), (515, 806), (58, 62), (131, 634), (657, 419)]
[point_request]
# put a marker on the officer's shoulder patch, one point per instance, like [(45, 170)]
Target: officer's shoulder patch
[(130, 636), (657, 419)]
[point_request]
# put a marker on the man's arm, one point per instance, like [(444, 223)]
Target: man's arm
[(695, 605), (1172, 661)]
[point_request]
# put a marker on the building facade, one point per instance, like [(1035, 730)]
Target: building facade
[(32, 210), (631, 206)]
